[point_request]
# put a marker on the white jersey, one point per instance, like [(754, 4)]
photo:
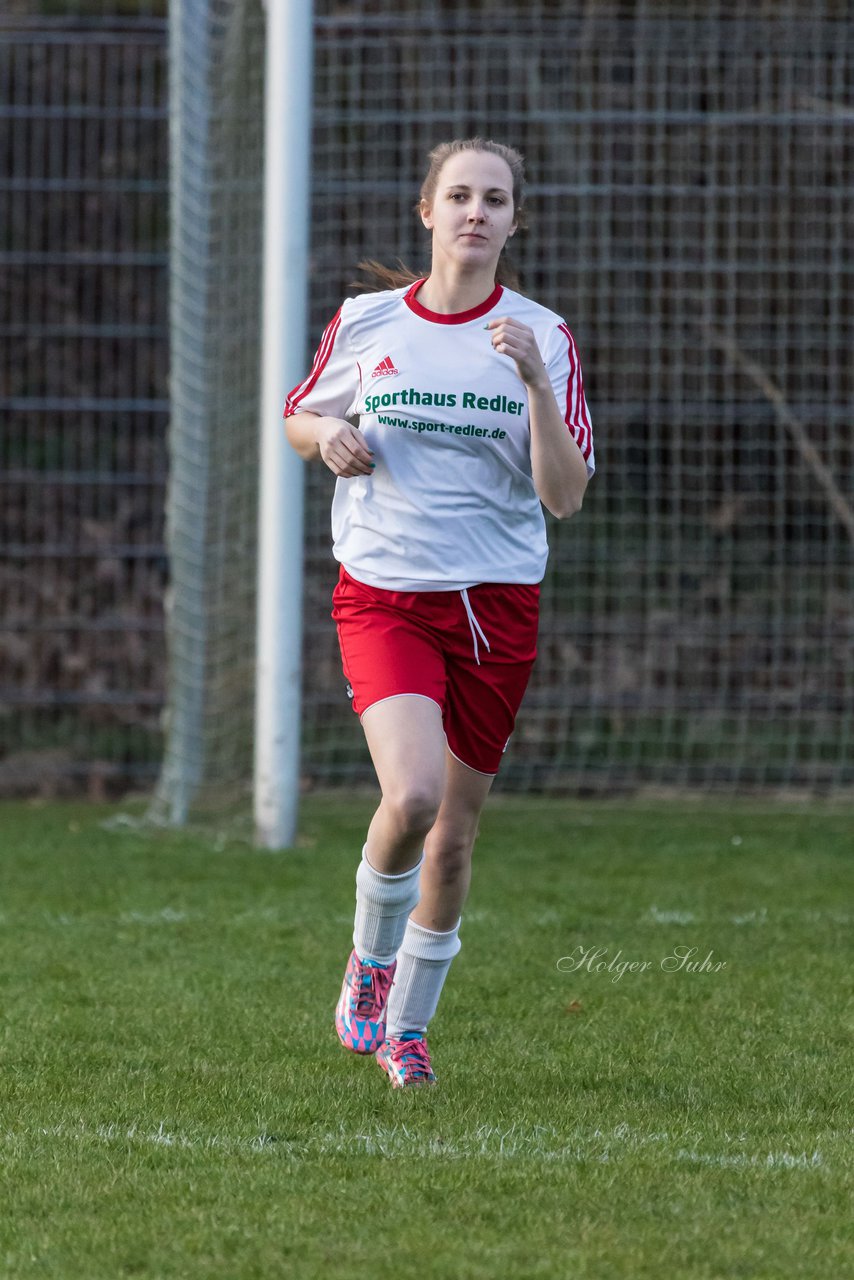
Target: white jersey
[(452, 500)]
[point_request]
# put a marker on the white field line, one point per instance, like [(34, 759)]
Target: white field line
[(165, 916), (773, 1160), (751, 917), (541, 1142), (759, 915), (168, 915), (552, 917), (656, 916)]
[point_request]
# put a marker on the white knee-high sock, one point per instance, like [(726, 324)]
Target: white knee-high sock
[(383, 904), (422, 965)]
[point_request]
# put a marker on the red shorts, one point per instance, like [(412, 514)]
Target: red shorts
[(469, 651)]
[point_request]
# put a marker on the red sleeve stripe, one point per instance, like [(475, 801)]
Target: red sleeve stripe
[(324, 351), (576, 417)]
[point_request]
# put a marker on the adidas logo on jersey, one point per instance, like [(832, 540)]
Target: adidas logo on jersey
[(385, 369)]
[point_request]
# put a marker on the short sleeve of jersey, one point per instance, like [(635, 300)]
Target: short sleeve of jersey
[(564, 370), (333, 384)]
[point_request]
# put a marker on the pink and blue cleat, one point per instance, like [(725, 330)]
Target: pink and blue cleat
[(406, 1061), (360, 1013)]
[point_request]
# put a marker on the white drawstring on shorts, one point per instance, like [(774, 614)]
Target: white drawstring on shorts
[(474, 625)]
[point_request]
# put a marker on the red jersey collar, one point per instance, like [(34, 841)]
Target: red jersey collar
[(457, 317)]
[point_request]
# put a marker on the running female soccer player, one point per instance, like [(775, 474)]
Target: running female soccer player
[(471, 414)]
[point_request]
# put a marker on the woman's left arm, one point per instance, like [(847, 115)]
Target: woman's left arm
[(557, 464)]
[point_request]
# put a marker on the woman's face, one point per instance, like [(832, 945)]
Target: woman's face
[(471, 214)]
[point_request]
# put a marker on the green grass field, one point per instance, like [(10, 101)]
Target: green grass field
[(174, 1101)]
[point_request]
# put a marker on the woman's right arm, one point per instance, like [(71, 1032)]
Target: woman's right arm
[(341, 446)]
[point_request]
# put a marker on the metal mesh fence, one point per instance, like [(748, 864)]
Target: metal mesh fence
[(690, 216), (83, 395)]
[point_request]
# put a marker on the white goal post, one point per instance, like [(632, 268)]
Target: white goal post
[(287, 141)]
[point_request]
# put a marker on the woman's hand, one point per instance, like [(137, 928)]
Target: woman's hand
[(343, 448), (558, 469), (512, 338)]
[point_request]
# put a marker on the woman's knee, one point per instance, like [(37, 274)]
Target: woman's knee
[(414, 807), (450, 851)]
